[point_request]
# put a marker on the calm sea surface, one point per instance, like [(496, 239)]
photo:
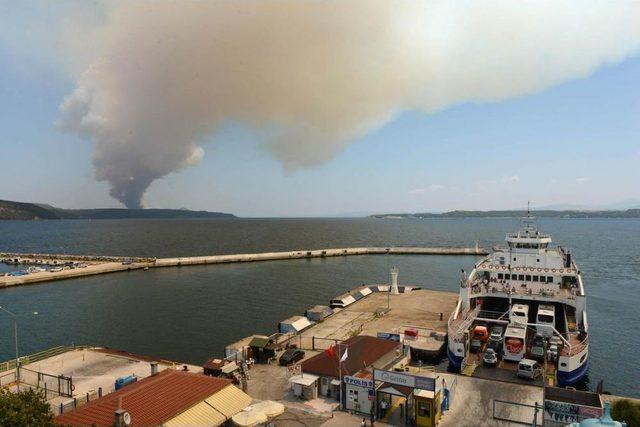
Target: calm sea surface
[(190, 313)]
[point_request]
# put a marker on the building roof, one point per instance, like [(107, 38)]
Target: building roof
[(150, 401), (259, 342), (305, 380), (362, 351)]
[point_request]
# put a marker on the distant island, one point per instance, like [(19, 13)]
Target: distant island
[(32, 211), (628, 213)]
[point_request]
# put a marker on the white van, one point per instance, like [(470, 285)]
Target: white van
[(529, 369), (545, 320), (514, 344), (519, 313)]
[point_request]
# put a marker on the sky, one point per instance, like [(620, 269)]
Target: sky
[(572, 141)]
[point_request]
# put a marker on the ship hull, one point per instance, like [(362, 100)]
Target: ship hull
[(569, 378), (455, 362)]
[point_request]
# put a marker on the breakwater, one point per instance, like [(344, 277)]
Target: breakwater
[(109, 264)]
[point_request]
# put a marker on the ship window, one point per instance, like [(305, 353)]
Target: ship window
[(564, 365), (545, 318), (535, 278), (528, 277), (549, 279), (521, 277), (514, 258), (538, 260), (507, 276), (500, 276), (582, 358)]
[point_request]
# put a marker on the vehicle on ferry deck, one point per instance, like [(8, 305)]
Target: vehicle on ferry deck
[(490, 357), (496, 334), (515, 342), (546, 320), (529, 369), (520, 313)]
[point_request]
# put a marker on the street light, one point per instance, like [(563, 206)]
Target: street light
[(15, 332)]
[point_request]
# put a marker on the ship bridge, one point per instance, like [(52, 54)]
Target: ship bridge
[(528, 238)]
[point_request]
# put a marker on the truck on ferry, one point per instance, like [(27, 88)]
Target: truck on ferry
[(534, 290)]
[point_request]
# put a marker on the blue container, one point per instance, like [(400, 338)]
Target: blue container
[(123, 381)]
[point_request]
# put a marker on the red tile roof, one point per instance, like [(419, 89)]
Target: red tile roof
[(150, 401), (363, 351)]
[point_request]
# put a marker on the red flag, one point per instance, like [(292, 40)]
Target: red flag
[(330, 351)]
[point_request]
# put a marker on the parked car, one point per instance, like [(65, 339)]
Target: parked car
[(529, 369), (476, 344), (490, 357), (496, 334), (537, 348), (291, 356), (495, 346)]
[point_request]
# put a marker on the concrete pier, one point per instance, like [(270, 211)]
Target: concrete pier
[(317, 253), (110, 264)]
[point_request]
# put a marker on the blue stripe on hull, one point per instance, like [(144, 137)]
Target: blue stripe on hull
[(572, 377), (455, 362)]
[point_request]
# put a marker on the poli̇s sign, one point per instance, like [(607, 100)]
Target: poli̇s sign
[(360, 382)]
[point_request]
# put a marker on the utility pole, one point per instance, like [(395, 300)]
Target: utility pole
[(15, 334)]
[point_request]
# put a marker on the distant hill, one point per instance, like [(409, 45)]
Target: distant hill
[(29, 211), (628, 213)]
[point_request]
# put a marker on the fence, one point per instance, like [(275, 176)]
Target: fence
[(7, 379), (319, 343), (52, 384), (518, 413), (76, 402), (35, 357)]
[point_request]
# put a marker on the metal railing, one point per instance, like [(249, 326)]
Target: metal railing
[(35, 357), (518, 413)]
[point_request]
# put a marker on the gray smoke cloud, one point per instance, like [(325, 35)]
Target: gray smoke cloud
[(318, 74)]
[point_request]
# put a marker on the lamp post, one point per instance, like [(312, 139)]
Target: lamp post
[(15, 333)]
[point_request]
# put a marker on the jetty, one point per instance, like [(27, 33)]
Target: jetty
[(68, 266)]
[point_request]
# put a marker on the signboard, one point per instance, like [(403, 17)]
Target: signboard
[(389, 336), (407, 380), (569, 412), (360, 382)]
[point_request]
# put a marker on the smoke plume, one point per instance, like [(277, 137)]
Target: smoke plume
[(317, 74)]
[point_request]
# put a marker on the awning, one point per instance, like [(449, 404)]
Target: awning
[(423, 393), (229, 401), (198, 415), (396, 390), (335, 382), (306, 379)]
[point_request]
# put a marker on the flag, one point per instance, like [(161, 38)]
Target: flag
[(330, 351), (345, 355)]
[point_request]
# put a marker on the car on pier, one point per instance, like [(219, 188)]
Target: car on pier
[(291, 356)]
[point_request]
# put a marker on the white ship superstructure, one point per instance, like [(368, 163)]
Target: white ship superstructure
[(532, 290)]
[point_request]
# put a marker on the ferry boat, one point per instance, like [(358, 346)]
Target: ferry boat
[(534, 291)]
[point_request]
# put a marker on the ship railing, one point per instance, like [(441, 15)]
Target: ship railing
[(462, 323), (575, 349), (491, 315)]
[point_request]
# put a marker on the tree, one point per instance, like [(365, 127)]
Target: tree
[(626, 410), (27, 408)]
